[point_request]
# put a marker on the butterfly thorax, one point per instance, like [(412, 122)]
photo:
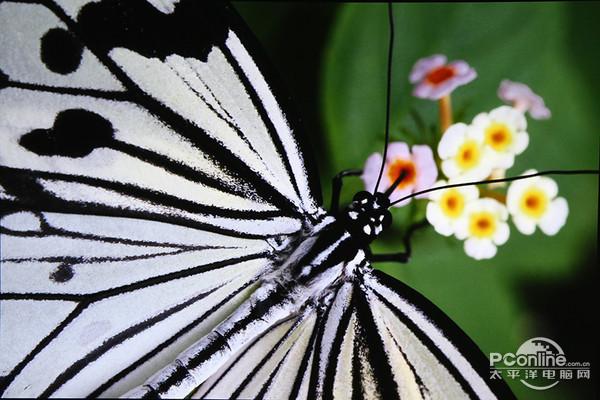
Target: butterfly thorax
[(321, 255), (367, 216)]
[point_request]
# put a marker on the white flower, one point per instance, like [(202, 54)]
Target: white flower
[(464, 155), (533, 202), (447, 206), (484, 227), (504, 132)]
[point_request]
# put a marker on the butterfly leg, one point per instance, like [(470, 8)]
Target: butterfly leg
[(337, 187), (404, 256)]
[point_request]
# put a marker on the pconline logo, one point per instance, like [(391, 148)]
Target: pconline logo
[(539, 363)]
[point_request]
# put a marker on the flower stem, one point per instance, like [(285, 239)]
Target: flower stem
[(445, 113), (501, 197)]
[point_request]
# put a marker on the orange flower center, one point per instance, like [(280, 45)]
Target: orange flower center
[(482, 224), (399, 167), (499, 136), (534, 202), (440, 74), (468, 155), (452, 203)]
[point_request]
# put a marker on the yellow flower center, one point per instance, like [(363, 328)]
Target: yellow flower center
[(498, 136), (399, 167), (534, 202), (482, 224), (452, 203), (468, 155)]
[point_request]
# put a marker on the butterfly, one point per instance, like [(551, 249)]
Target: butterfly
[(162, 230)]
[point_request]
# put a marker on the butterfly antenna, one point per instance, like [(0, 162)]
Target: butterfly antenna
[(388, 94), (509, 179), (399, 179)]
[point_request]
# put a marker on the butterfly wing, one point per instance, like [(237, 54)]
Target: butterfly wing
[(374, 337), (148, 172)]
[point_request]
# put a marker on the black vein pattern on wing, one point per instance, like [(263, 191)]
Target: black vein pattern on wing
[(86, 300), (311, 350), (48, 230), (267, 385), (422, 388), (277, 295), (155, 280), (96, 39), (313, 383), (246, 381), (243, 353), (371, 343), (451, 331), (32, 196), (110, 343), (173, 121), (123, 373), (259, 107), (113, 341), (267, 68), (223, 157), (333, 356)]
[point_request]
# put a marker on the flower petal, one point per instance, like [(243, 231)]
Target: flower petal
[(435, 195), (480, 249), (422, 90), (470, 192), (424, 65), (451, 140), (436, 218), (555, 217), (400, 193), (524, 225), (425, 164), (520, 95), (539, 110), (548, 185), (461, 228), (501, 235), (521, 142), (397, 150), (371, 171), (450, 169), (503, 160), (509, 116)]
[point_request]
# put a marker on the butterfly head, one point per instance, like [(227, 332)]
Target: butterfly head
[(367, 216)]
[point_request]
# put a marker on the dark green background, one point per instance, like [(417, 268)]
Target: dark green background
[(331, 58)]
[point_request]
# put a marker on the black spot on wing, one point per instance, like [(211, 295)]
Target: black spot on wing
[(60, 51), (76, 133), (190, 31), (62, 274)]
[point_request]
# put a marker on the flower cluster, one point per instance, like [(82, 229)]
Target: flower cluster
[(490, 142), (467, 152)]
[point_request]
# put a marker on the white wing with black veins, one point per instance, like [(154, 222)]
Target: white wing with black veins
[(146, 166)]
